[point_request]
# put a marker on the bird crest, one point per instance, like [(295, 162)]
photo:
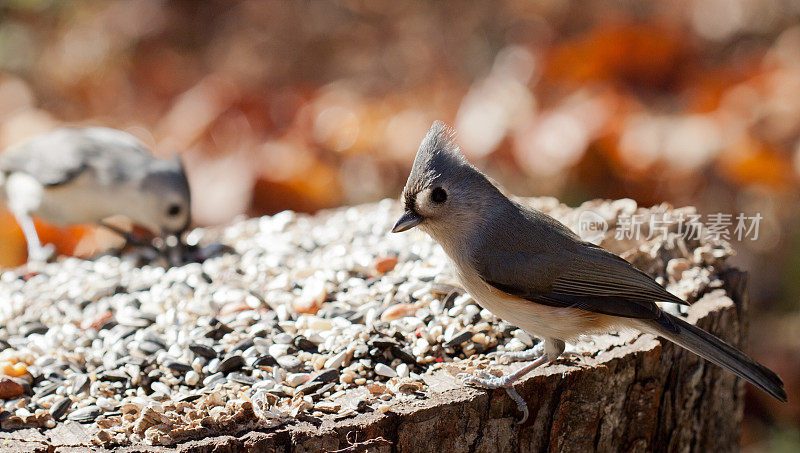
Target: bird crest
[(437, 152)]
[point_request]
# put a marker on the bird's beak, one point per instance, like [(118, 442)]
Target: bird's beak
[(408, 221)]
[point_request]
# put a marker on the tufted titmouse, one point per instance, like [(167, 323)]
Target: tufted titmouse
[(83, 176), (531, 270)]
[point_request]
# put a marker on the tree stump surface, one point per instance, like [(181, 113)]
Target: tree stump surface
[(624, 392), (638, 395)]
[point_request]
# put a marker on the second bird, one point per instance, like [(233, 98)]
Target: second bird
[(534, 272), (83, 176)]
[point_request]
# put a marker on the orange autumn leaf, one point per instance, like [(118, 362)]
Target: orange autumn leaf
[(641, 53), (64, 239), (753, 162), (13, 249), (317, 187), (12, 242)]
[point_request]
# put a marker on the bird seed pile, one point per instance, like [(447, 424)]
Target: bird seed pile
[(308, 317)]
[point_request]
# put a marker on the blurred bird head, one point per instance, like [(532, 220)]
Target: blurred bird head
[(152, 193), (165, 198), (444, 192)]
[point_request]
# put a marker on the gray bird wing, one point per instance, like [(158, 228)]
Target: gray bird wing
[(61, 156), (598, 272), (47, 168), (553, 267)]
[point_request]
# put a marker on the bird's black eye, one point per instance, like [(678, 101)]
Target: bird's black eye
[(438, 195), (174, 210)]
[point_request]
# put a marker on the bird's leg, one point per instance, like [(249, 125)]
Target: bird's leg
[(25, 196), (551, 350), (36, 252)]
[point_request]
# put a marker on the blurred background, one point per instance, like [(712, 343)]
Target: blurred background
[(309, 105)]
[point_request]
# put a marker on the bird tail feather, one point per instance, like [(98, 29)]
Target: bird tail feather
[(717, 351)]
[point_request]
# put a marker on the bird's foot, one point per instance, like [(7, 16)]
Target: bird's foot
[(485, 380), (535, 353), (521, 356)]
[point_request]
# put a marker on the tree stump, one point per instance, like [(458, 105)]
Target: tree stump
[(622, 392), (640, 394)]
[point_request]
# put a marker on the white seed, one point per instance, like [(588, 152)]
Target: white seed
[(402, 370), (279, 350), (337, 360), (295, 379), (523, 336), (192, 378), (385, 370)]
